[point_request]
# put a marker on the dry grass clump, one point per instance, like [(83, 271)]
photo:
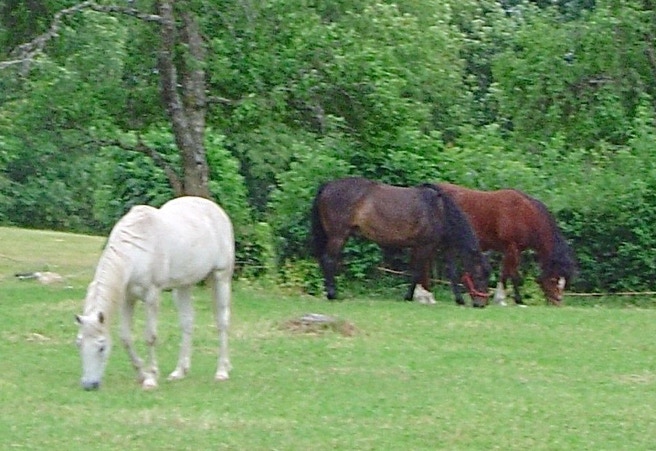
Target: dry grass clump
[(316, 323)]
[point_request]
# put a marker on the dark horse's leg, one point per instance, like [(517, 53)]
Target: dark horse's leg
[(453, 278), (414, 275), (511, 271), (329, 261), (420, 261)]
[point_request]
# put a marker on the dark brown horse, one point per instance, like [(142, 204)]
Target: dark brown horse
[(510, 221), (420, 218)]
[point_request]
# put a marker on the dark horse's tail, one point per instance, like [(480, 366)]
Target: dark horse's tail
[(319, 236), (458, 230), (561, 261)]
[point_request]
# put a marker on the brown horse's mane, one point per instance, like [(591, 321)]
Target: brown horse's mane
[(561, 259)]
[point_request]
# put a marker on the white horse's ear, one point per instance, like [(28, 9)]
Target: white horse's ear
[(101, 317), (78, 319)]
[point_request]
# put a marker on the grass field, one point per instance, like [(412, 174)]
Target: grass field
[(411, 377)]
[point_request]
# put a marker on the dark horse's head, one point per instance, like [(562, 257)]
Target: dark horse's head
[(459, 237), (559, 265)]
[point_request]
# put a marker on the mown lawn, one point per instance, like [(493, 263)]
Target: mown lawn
[(410, 377)]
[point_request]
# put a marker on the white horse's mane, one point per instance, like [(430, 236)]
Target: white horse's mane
[(108, 287)]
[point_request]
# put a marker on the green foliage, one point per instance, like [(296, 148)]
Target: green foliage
[(614, 235), (301, 274), (254, 244), (579, 78), (263, 152), (124, 178), (226, 183), (48, 165), (554, 98), (291, 202), (480, 159)]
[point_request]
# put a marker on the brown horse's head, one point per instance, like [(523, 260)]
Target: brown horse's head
[(553, 288)]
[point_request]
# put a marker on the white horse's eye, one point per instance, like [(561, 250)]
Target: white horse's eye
[(78, 341), (101, 345)]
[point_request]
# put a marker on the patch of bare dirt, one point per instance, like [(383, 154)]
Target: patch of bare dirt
[(316, 323)]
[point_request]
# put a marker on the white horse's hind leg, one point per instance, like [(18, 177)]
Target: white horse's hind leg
[(127, 313), (221, 289), (150, 335), (182, 298)]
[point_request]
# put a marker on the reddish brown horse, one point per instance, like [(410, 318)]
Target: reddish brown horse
[(510, 221), (420, 218)]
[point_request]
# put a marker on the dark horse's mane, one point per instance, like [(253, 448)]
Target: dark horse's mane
[(561, 260), (459, 231)]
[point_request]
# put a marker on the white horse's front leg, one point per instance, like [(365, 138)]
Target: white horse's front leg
[(150, 335), (222, 295), (127, 313), (182, 297)]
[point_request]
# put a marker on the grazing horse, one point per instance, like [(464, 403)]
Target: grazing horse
[(187, 240), (420, 218), (510, 221)]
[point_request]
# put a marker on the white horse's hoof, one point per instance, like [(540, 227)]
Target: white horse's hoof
[(149, 384), (423, 296), (221, 376), (177, 375)]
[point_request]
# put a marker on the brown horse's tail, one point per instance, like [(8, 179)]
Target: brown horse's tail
[(319, 236)]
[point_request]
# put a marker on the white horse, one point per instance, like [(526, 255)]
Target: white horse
[(187, 240)]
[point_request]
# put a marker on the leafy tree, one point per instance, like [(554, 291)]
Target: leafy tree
[(581, 78), (180, 65)]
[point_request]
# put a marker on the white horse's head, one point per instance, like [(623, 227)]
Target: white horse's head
[(94, 343)]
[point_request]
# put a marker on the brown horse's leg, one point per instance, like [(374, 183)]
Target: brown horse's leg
[(329, 261), (511, 271)]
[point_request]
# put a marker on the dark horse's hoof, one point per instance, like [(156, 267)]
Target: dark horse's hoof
[(331, 293), (478, 305)]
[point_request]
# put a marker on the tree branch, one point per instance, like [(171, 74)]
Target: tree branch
[(158, 159), (222, 100), (25, 53)]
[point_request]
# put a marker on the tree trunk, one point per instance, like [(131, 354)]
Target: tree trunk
[(183, 92)]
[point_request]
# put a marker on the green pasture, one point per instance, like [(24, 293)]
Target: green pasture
[(408, 377)]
